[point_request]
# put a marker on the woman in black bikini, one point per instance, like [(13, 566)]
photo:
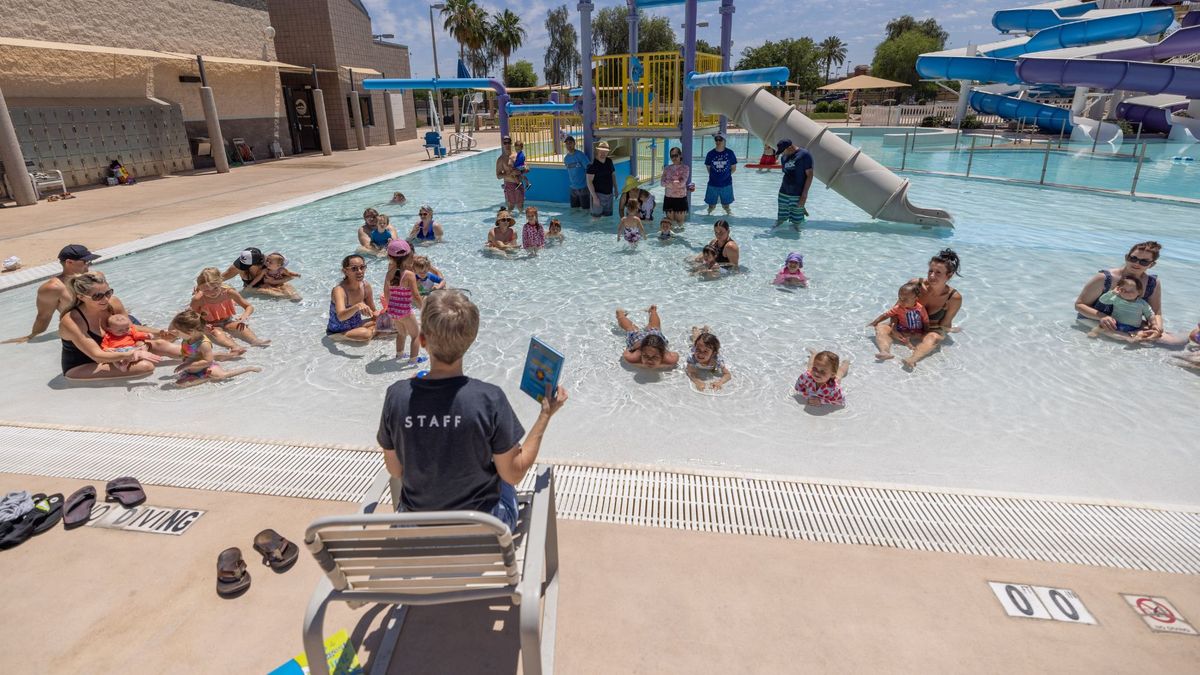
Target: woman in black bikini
[(728, 252), (81, 328), (940, 300)]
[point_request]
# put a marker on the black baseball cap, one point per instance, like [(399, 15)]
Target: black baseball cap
[(248, 258), (76, 252), (782, 145)]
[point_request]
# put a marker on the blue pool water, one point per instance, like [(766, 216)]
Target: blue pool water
[(1021, 400)]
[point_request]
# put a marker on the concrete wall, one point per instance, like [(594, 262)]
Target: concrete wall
[(221, 27)]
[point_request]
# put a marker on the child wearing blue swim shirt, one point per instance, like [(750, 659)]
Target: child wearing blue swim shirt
[(1129, 309)]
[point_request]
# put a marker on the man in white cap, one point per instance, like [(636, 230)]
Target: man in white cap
[(721, 163), (601, 181), (797, 166), (54, 295)]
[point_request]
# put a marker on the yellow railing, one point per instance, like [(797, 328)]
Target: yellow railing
[(537, 133), (654, 101)]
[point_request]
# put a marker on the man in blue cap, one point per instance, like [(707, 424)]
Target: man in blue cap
[(797, 166), (577, 163), (54, 296)]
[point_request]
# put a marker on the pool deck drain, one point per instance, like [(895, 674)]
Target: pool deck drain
[(1020, 527)]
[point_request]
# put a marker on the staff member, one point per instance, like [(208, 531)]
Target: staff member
[(577, 163), (797, 166), (721, 163)]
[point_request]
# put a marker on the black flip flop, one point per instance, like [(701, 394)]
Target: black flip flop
[(232, 577), (48, 511), (78, 509), (277, 552), (21, 529), (126, 490)]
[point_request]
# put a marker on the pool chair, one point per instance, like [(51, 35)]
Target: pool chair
[(435, 558), (433, 145)]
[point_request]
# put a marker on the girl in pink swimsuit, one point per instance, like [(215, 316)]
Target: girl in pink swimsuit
[(402, 293), (532, 234), (821, 383)]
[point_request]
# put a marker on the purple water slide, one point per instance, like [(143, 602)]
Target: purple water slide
[(1191, 19), (1155, 119), (1151, 78), (1183, 41)]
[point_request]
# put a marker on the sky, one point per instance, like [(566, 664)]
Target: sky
[(859, 24)]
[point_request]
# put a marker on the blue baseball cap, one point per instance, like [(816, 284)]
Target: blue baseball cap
[(782, 145)]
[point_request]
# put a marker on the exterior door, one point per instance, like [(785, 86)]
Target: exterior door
[(302, 119)]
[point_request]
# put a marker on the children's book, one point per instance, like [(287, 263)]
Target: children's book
[(543, 365)]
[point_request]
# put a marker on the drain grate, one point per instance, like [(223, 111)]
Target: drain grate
[(1127, 537)]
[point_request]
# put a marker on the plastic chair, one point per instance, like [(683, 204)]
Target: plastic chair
[(433, 145)]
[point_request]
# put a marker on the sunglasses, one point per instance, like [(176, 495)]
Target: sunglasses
[(506, 142), (357, 268), (101, 296), (1144, 262)]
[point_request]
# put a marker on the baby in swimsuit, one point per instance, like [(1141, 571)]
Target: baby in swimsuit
[(820, 384), (276, 275), (792, 273), (120, 336), (630, 227)]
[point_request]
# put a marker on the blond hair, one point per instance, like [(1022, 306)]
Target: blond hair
[(420, 262), (81, 285), (449, 322), (276, 257), (209, 275), (383, 218), (187, 321)]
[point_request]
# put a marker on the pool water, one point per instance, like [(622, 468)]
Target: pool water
[(1020, 401)]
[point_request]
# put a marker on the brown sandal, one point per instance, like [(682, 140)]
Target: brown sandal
[(232, 577), (277, 552)]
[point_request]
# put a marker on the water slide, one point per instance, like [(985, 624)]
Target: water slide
[(840, 166), (1152, 112), (1081, 29)]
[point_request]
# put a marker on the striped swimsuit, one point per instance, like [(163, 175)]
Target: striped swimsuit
[(399, 302)]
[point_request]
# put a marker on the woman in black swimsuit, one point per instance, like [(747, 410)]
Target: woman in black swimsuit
[(249, 264), (728, 252), (81, 328), (940, 300)]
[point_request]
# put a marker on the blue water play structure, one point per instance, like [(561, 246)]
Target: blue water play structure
[(673, 96)]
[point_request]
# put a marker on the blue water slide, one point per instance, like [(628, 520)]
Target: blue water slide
[(542, 108), (1151, 78), (978, 68), (1087, 31), (1047, 117), (1028, 19), (775, 76)]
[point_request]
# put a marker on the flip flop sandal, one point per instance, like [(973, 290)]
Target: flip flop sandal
[(21, 529), (277, 552), (232, 577), (78, 508), (47, 512), (126, 490)]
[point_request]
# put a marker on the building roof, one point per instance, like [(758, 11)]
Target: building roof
[(145, 53)]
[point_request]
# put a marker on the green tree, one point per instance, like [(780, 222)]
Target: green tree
[(801, 56), (507, 36), (562, 56), (832, 53), (468, 23), (520, 74), (903, 24), (896, 59), (702, 47), (610, 32)]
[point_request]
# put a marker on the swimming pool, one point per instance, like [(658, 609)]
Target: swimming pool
[(1021, 401)]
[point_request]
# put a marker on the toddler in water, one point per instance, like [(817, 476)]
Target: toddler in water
[(519, 164), (402, 294), (199, 362), (120, 336), (399, 198), (630, 227), (427, 277), (792, 273), (706, 358), (276, 275), (664, 230), (819, 385), (533, 235), (216, 302), (1191, 360), (907, 316), (1129, 309), (646, 347), (706, 264), (554, 233)]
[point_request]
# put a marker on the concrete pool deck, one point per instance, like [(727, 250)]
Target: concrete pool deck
[(632, 599)]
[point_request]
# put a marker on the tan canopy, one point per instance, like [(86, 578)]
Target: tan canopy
[(862, 82)]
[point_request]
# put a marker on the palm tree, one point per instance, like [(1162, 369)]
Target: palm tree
[(507, 37), (467, 22), (831, 52)]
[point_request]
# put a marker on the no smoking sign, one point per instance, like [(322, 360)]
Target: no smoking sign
[(1159, 614)]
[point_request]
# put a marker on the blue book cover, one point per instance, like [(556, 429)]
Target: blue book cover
[(543, 366)]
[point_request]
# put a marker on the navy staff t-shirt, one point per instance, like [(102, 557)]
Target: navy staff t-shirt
[(795, 166), (720, 167), (445, 432)]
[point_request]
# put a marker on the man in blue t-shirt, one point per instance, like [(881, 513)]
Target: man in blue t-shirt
[(797, 165), (576, 162), (454, 441), (721, 163)]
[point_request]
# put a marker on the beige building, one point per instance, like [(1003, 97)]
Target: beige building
[(90, 82)]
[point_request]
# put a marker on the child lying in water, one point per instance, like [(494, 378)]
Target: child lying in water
[(821, 383)]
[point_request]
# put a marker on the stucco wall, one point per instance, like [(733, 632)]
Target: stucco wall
[(214, 27)]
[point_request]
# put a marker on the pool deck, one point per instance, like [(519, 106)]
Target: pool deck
[(632, 599)]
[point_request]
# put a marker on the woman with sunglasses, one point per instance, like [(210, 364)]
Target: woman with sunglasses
[(426, 230), (352, 310), (1138, 262), (675, 177), (81, 328)]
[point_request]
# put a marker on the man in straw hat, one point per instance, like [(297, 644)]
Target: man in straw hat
[(601, 181)]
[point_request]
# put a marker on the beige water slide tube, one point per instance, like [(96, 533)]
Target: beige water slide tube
[(842, 167)]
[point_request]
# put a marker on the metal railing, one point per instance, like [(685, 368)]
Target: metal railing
[(654, 101), (543, 134)]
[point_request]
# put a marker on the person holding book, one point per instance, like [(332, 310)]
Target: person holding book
[(455, 442)]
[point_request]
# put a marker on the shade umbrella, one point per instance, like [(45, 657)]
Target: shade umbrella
[(853, 84)]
